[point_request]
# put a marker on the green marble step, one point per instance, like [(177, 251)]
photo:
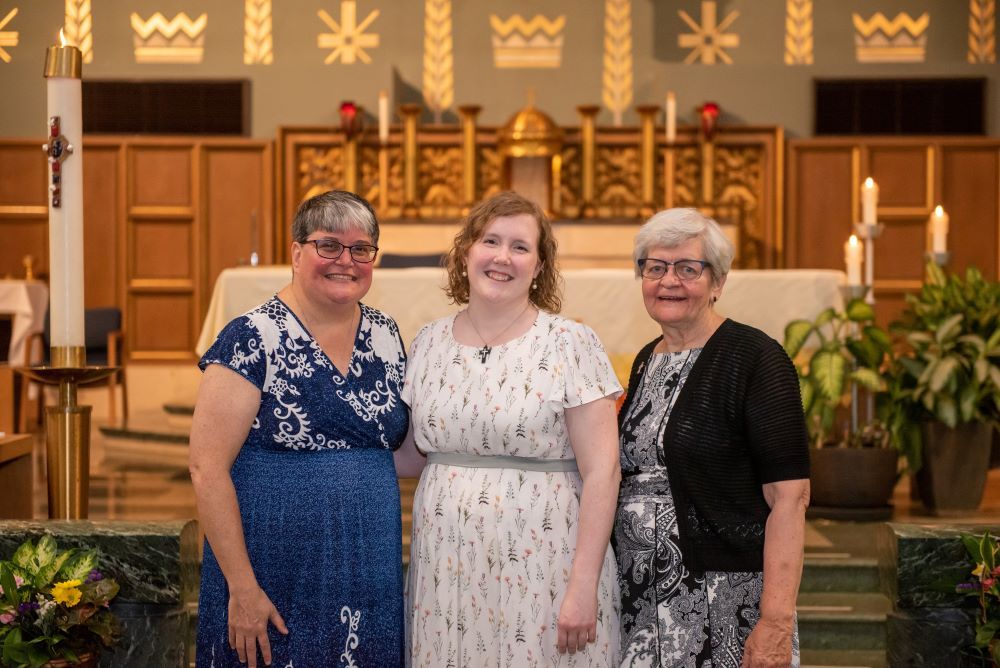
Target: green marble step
[(839, 574), (828, 658), (842, 621)]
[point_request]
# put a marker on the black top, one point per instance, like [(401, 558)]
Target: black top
[(737, 425)]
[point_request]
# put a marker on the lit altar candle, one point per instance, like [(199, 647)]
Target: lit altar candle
[(853, 250), (939, 230), (869, 202), (63, 68), (671, 121), (383, 116)]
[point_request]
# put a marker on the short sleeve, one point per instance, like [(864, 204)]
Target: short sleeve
[(413, 359), (774, 418), (239, 347), (588, 373)]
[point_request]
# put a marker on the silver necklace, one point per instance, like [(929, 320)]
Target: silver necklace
[(484, 352)]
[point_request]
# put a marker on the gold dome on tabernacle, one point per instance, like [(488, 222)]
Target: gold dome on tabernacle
[(529, 133)]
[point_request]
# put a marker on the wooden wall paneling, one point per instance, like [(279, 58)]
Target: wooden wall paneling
[(238, 210), (23, 207), (970, 193), (162, 247), (101, 217), (821, 206), (905, 178)]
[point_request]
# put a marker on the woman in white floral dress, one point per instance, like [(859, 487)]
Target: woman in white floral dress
[(514, 407)]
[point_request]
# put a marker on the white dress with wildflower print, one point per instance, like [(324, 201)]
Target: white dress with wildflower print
[(492, 547)]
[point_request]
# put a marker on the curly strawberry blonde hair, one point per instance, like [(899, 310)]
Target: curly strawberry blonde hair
[(547, 295)]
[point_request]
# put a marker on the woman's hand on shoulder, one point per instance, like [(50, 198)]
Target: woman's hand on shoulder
[(250, 611), (577, 624), (769, 644)]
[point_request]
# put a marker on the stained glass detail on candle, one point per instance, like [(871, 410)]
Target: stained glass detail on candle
[(58, 149)]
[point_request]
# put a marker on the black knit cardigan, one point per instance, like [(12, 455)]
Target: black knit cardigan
[(737, 424)]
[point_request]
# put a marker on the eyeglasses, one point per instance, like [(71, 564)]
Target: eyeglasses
[(331, 249), (685, 270)]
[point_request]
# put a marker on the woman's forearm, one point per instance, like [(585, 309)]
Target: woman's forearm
[(219, 515), (784, 537), (598, 500)]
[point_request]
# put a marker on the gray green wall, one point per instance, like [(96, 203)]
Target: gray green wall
[(299, 89)]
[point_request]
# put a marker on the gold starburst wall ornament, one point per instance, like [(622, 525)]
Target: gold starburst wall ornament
[(348, 39), (258, 45), (439, 74), (7, 37), (709, 39), (617, 79), (79, 27)]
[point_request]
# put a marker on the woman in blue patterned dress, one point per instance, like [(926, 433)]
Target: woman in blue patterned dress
[(291, 459)]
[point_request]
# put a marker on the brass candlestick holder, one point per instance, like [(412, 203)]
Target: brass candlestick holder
[(67, 430)]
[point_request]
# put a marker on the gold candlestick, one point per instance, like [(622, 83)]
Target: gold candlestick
[(410, 113), (647, 118), (588, 113), (468, 113)]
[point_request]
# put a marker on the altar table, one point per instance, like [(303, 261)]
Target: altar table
[(27, 301), (608, 300)]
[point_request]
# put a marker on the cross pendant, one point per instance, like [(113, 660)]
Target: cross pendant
[(483, 353)]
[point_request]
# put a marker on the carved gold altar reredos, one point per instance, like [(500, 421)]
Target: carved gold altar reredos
[(529, 133), (744, 185)]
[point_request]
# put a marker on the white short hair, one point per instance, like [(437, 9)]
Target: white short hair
[(672, 227)]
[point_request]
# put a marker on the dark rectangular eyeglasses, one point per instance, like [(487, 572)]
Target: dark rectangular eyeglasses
[(685, 270), (331, 249)]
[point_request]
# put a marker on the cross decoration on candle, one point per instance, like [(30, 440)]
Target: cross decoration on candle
[(58, 149)]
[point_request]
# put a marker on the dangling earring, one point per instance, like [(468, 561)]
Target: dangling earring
[(534, 285), (465, 273)]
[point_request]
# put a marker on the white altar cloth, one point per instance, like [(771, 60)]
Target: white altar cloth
[(608, 300), (27, 301)]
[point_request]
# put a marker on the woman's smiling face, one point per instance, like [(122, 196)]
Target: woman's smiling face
[(676, 303), (504, 261)]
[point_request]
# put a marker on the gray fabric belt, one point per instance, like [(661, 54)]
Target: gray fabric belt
[(502, 462)]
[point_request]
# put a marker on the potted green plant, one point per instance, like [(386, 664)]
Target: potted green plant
[(54, 607), (854, 469), (946, 386)]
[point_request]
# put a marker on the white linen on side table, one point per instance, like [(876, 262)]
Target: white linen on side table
[(28, 302)]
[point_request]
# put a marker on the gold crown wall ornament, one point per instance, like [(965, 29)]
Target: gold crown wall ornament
[(901, 40), (529, 44), (7, 37), (179, 40)]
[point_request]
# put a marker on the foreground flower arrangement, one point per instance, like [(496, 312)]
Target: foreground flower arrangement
[(985, 586), (54, 605)]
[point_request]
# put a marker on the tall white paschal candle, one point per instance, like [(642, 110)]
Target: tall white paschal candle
[(383, 117), (671, 120), (853, 250), (64, 135), (869, 202), (939, 230)]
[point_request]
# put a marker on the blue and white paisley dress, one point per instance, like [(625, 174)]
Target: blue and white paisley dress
[(317, 492)]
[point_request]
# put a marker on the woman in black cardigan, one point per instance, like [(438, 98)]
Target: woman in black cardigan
[(711, 517)]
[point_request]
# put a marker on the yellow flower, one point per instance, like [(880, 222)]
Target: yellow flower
[(67, 592)]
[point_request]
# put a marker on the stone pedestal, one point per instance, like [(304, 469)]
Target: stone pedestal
[(919, 565), (156, 564)]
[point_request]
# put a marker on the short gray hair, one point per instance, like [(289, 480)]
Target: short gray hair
[(672, 227), (334, 211)]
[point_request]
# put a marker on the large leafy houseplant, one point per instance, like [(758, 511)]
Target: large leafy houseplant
[(849, 348), (951, 372), (54, 605)]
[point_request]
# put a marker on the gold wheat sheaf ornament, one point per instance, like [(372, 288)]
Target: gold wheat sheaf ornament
[(258, 44), (617, 79), (439, 70), (78, 27), (982, 31), (799, 32)]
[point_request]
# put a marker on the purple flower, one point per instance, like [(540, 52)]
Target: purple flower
[(967, 586), (94, 576), (25, 608)]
